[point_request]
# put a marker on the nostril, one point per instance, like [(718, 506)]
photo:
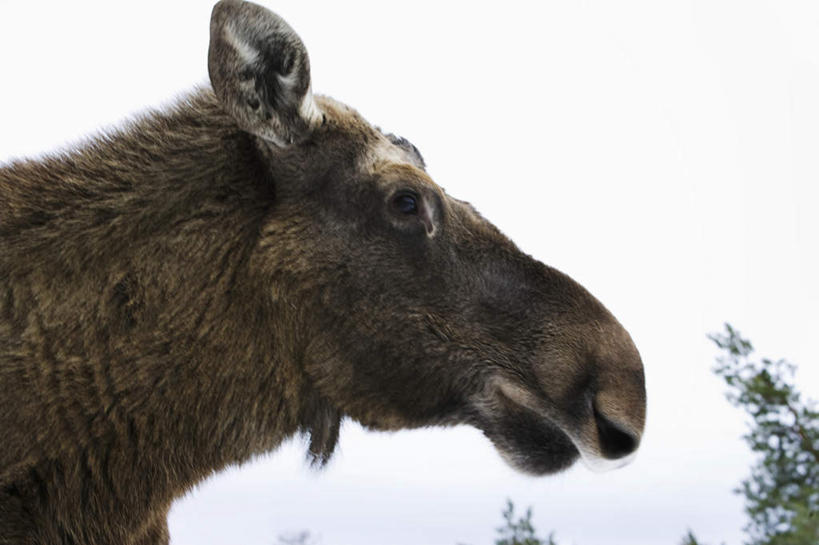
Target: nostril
[(615, 441)]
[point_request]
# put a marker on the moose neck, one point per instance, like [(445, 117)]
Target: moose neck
[(183, 364)]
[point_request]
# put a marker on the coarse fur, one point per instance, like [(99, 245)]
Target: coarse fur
[(198, 286)]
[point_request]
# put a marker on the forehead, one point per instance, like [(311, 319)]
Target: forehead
[(389, 159), (373, 150), (408, 148)]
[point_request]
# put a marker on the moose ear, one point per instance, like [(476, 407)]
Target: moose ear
[(261, 73)]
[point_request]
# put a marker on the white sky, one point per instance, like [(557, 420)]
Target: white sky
[(664, 154)]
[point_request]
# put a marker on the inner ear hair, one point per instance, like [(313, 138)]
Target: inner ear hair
[(260, 71)]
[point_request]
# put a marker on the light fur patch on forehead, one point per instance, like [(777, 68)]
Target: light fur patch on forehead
[(378, 149), (407, 146), (385, 151)]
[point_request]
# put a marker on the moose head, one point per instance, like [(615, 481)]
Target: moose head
[(412, 309)]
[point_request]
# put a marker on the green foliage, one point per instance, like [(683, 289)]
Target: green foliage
[(690, 539), (301, 538), (520, 532), (782, 492)]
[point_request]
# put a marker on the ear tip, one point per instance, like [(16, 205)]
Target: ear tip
[(225, 4), (225, 7), (221, 13), (222, 6), (223, 10), (242, 14)]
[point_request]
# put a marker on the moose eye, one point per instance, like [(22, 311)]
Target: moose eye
[(406, 204)]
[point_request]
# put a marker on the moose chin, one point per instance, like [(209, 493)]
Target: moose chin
[(256, 262)]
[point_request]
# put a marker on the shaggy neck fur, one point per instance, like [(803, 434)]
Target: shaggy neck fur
[(136, 352)]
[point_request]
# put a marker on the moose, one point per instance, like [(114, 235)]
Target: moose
[(256, 262)]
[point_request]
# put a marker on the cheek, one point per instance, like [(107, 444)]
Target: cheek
[(385, 373)]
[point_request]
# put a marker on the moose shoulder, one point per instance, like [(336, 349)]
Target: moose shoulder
[(257, 262)]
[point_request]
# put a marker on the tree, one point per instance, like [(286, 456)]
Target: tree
[(520, 532), (301, 538), (782, 491), (690, 539)]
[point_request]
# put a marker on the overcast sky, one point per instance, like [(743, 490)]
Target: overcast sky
[(664, 154)]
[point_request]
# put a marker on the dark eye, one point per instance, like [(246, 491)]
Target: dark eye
[(406, 204)]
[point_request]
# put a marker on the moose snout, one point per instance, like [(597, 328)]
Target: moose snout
[(609, 434), (615, 438), (616, 410), (607, 417)]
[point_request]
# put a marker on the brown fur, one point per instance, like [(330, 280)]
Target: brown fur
[(193, 289)]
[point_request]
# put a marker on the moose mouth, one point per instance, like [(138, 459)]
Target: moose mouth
[(533, 445), (526, 440), (537, 440)]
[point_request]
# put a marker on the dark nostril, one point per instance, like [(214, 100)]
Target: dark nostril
[(615, 441)]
